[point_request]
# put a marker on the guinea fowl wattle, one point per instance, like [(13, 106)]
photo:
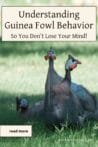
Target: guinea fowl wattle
[(63, 106)]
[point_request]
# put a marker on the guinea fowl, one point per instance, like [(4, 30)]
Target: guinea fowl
[(87, 100), (62, 105), (38, 107), (36, 110)]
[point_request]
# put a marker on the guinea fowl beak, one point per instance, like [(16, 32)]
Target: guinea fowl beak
[(78, 62)]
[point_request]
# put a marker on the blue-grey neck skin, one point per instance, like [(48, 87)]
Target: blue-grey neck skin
[(51, 63), (68, 76), (48, 94), (51, 68)]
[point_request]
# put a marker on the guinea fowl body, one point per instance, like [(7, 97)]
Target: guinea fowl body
[(35, 111), (87, 100)]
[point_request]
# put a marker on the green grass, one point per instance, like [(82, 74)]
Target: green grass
[(23, 73)]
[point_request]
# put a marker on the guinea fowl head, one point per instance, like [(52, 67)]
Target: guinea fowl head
[(50, 55), (71, 63), (21, 104)]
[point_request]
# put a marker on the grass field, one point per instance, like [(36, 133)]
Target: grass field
[(23, 73)]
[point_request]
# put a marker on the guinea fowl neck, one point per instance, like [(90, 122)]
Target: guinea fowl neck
[(68, 76), (51, 67), (51, 64)]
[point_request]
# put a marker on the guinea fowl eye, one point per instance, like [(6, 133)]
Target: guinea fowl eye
[(73, 60)]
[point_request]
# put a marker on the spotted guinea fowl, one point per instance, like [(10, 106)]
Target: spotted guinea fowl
[(87, 100), (62, 104), (29, 112)]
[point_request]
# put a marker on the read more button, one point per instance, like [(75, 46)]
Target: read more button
[(15, 130)]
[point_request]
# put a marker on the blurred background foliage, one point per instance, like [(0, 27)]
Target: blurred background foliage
[(18, 2), (56, 2)]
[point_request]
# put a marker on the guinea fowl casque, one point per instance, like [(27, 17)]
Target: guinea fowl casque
[(62, 105)]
